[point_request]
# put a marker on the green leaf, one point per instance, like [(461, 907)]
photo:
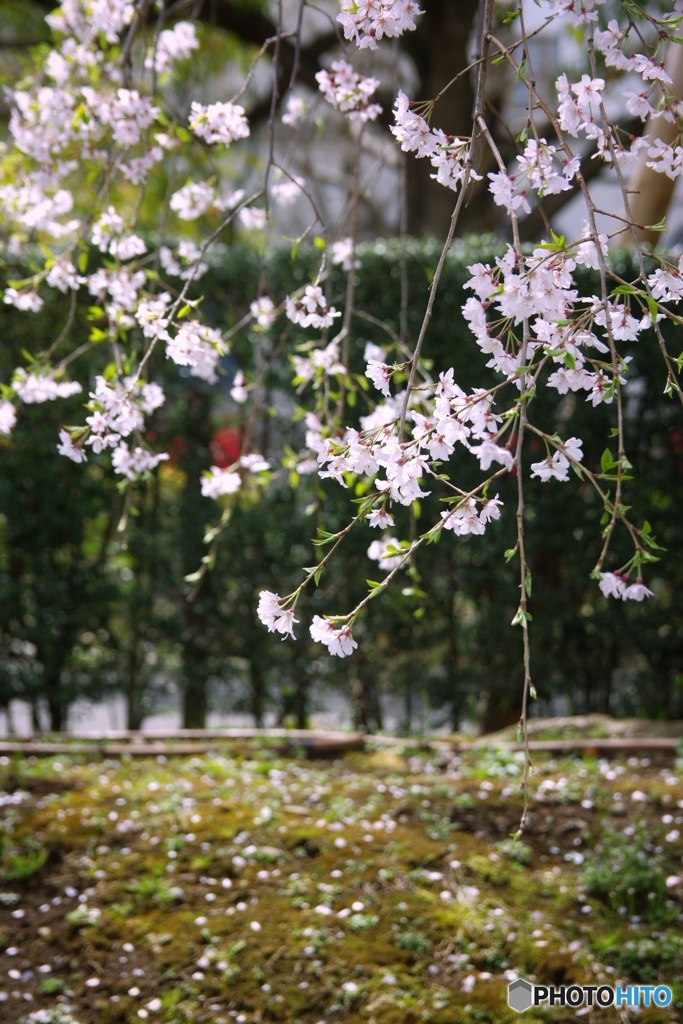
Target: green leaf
[(606, 461), (652, 307), (521, 618)]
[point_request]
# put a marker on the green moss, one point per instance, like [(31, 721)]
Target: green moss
[(494, 871), (348, 883)]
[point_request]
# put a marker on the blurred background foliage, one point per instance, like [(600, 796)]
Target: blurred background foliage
[(92, 593)]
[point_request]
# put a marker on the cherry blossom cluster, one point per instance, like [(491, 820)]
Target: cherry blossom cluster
[(556, 466), (311, 309), (42, 386), (274, 615), (580, 107), (397, 467), (338, 640), (278, 615), (219, 122), (82, 111), (575, 12), (538, 170), (567, 329), (198, 347), (117, 410), (614, 584), (349, 92), (367, 21), (322, 362), (447, 154), (219, 482), (173, 44)]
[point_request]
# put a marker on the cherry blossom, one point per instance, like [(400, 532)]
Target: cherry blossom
[(380, 517), (349, 92), (173, 44), (367, 21), (219, 122), (295, 111), (192, 200), (338, 641), (8, 417), (197, 347), (342, 254), (387, 552), (33, 388), (311, 310), (217, 483), (636, 591), (72, 449), (554, 467), (380, 375), (135, 462), (274, 616), (612, 584)]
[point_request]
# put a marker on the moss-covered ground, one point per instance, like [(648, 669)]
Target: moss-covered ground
[(382, 888)]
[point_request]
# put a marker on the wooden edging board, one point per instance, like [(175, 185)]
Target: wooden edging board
[(188, 742)]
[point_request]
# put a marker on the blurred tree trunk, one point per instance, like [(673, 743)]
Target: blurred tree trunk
[(365, 702), (55, 703), (440, 49), (197, 629), (257, 691), (132, 688), (650, 191)]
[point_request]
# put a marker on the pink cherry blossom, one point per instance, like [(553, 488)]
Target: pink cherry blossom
[(339, 642)]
